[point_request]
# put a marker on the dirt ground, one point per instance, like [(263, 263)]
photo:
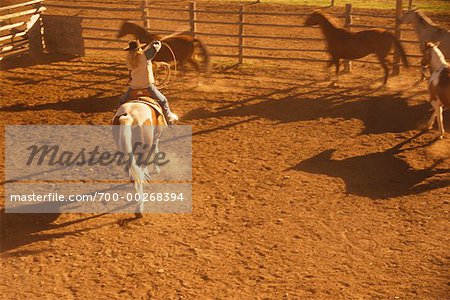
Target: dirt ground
[(300, 190)]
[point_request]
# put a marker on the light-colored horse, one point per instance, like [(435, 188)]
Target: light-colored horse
[(137, 122), (427, 31), (439, 85)]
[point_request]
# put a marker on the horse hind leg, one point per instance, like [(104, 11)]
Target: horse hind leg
[(196, 67), (326, 69), (440, 122), (436, 111), (385, 68), (156, 168), (140, 207), (336, 81), (423, 73), (158, 135), (430, 122), (347, 66)]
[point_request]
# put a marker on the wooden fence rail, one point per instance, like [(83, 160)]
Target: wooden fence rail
[(21, 29), (244, 34), (20, 5)]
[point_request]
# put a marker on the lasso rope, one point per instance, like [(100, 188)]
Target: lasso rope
[(166, 82)]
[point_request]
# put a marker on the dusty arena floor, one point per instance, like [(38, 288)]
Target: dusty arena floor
[(300, 190)]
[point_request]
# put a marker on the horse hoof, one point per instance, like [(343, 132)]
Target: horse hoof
[(138, 215)]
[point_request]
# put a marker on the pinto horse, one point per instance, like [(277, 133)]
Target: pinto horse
[(343, 44), (183, 46), (137, 122), (427, 31), (439, 85)]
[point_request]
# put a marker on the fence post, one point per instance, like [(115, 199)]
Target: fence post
[(410, 4), (241, 33), (348, 23), (36, 32), (145, 14), (332, 3), (397, 34), (192, 17)]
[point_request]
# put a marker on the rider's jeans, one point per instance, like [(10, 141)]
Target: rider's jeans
[(154, 93)]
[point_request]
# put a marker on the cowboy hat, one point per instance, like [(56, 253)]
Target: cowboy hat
[(134, 45)]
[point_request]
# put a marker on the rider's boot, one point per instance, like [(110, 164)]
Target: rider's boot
[(168, 114)]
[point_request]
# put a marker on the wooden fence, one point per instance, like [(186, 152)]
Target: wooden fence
[(21, 29), (244, 36)]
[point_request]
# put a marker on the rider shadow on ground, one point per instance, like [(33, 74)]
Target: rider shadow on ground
[(91, 104), (379, 175), (19, 229), (379, 113)]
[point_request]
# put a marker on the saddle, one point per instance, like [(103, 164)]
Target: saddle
[(143, 96), (135, 94)]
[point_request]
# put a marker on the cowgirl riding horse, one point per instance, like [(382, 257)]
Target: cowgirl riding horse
[(139, 62), (138, 119)]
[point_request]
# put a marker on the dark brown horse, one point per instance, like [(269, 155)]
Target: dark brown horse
[(182, 45), (343, 44)]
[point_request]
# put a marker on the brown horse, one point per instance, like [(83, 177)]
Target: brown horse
[(343, 44), (182, 45)]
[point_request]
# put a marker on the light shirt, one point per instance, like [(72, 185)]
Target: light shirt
[(142, 73)]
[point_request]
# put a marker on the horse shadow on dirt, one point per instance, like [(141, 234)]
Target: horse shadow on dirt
[(378, 175), (94, 85), (379, 113), (26, 61), (49, 71), (92, 104)]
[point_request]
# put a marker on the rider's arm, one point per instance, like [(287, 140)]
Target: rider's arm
[(152, 50)]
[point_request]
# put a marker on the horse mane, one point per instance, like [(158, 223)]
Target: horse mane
[(424, 19), (138, 31), (329, 18)]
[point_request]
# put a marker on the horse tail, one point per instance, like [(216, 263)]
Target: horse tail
[(400, 49), (204, 52), (125, 140)]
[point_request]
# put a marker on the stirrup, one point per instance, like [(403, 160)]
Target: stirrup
[(172, 118)]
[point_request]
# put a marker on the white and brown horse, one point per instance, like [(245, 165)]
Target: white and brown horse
[(439, 84), (138, 123), (427, 31)]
